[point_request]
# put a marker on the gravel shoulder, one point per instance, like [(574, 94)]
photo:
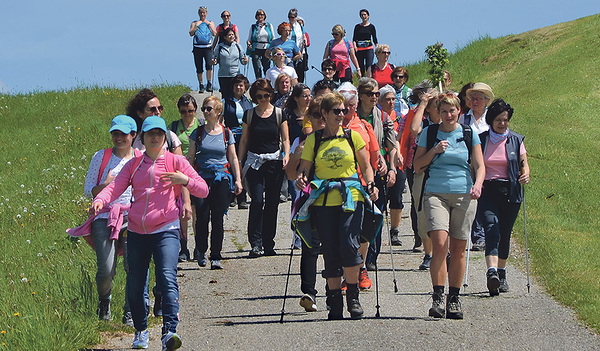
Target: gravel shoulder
[(240, 307)]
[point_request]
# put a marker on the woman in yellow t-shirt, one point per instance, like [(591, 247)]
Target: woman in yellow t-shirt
[(336, 213)]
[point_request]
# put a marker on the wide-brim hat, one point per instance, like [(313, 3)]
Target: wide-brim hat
[(484, 89), (154, 122), (123, 123)]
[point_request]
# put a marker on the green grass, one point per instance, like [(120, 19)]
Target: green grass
[(549, 76), (48, 298)]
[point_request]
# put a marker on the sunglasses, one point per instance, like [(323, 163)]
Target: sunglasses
[(371, 94), (206, 108), (155, 109), (446, 95), (335, 34), (386, 52), (337, 111), (398, 76), (280, 54), (263, 96), (225, 16), (186, 111)]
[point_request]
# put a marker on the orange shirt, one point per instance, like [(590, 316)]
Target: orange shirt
[(368, 135)]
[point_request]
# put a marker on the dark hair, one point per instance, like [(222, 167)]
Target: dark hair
[(260, 12), (226, 33), (297, 90), (314, 109), (240, 78), (293, 12), (322, 85), (402, 71), (327, 63), (185, 99), (138, 103), (497, 107), (260, 84), (462, 96), (364, 10)]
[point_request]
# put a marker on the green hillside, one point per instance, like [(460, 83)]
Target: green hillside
[(47, 281), (549, 75)]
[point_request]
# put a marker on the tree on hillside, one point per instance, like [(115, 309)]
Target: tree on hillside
[(437, 56)]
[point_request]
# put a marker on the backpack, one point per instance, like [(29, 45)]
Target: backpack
[(203, 35), (106, 158), (432, 138), (319, 139), (278, 115), (331, 42)]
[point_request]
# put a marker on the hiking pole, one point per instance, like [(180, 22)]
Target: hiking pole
[(525, 225), (466, 278), (387, 223), (287, 280), (315, 68), (377, 314)]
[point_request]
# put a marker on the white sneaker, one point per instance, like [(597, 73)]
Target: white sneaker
[(308, 302)]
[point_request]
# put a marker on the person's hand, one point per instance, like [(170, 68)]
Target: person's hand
[(186, 214), (238, 187), (245, 60), (391, 178), (382, 167), (95, 208), (301, 182), (175, 178), (440, 147), (399, 160), (475, 191), (524, 178), (373, 191), (109, 177), (286, 159), (214, 61), (425, 98)]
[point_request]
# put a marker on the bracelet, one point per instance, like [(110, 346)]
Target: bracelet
[(393, 170)]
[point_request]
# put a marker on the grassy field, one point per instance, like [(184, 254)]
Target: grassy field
[(48, 297)]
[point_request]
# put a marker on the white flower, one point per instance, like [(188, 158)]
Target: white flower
[(39, 254), (24, 280), (24, 209), (22, 185), (18, 216), (28, 241), (8, 162)]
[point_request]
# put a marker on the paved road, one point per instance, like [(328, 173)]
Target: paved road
[(240, 307)]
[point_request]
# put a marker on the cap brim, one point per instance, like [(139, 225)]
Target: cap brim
[(124, 129)]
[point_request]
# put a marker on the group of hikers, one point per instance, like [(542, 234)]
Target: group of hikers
[(343, 153)]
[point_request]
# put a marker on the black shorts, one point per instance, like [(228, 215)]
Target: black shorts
[(201, 54)]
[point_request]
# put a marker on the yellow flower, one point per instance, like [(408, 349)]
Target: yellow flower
[(3, 332), (16, 314), (33, 293)]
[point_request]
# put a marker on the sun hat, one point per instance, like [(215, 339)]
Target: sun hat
[(154, 122), (123, 123), (484, 89)]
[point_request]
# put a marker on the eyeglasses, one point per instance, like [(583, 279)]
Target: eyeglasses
[(263, 96), (385, 52), (477, 98), (372, 93), (156, 109), (398, 76), (446, 95), (206, 108), (187, 111), (337, 111)]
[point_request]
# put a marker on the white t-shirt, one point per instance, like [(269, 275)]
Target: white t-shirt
[(274, 72)]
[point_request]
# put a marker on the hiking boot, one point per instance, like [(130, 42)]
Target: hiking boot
[(426, 263), (344, 286), (104, 310), (170, 341), (354, 307), (336, 304), (255, 252), (437, 307), (243, 206), (394, 237), (201, 88), (140, 339), (503, 283), (209, 87), (453, 309), (371, 267), (127, 319), (364, 283), (216, 264), (308, 302), (478, 246), (493, 282), (202, 261)]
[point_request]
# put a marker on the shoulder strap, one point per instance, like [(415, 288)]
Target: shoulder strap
[(432, 130), (467, 119), (347, 45), (348, 136), (105, 159), (225, 135), (174, 126), (169, 141), (250, 113), (468, 139), (136, 164), (199, 135)]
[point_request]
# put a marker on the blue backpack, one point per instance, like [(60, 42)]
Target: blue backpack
[(203, 35)]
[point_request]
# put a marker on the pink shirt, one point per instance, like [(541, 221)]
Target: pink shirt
[(496, 163), (339, 51)]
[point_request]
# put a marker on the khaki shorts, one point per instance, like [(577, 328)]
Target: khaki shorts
[(453, 213)]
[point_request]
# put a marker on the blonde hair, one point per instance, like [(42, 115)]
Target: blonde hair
[(338, 29), (217, 101), (380, 47)]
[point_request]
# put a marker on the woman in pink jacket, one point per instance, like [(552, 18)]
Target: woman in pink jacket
[(156, 178)]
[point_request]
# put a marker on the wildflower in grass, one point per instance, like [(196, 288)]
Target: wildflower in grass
[(24, 209), (22, 185), (28, 241), (39, 254), (8, 163), (16, 314), (33, 293), (3, 332), (18, 216), (24, 280)]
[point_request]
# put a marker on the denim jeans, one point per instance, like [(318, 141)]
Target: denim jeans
[(258, 60), (164, 246), (212, 209)]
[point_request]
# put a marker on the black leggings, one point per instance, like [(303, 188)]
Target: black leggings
[(212, 209), (365, 59)]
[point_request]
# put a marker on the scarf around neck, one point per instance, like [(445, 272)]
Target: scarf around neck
[(495, 138)]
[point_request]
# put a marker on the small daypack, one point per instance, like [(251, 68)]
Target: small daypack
[(432, 130), (332, 42), (203, 35), (107, 154)]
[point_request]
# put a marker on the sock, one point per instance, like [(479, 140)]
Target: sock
[(438, 289), (453, 291), (427, 256), (494, 269)]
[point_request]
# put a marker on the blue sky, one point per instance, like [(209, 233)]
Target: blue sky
[(53, 45)]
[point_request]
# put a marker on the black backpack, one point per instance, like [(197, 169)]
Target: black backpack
[(432, 131)]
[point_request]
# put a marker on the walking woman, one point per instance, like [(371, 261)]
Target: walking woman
[(211, 151), (341, 52), (265, 147), (381, 70), (279, 67), (448, 200), (365, 39), (156, 178), (292, 52), (506, 170), (337, 214), (203, 31), (259, 38), (104, 228), (226, 17), (228, 55)]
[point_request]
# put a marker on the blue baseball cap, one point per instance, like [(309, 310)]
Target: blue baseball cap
[(154, 122), (124, 124)]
